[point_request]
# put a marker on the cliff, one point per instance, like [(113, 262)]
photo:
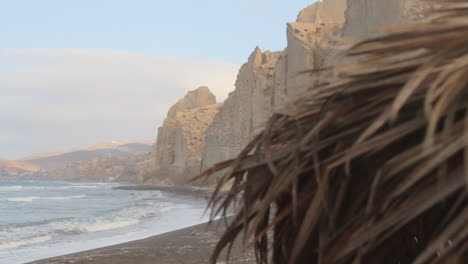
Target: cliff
[(268, 78), (198, 133), (181, 140)]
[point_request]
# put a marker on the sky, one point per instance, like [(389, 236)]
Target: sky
[(77, 72)]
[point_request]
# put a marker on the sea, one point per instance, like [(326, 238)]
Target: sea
[(45, 219)]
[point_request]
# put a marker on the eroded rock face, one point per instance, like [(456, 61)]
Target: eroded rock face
[(190, 142), (181, 139), (201, 96), (248, 106), (268, 79), (330, 11), (164, 147)]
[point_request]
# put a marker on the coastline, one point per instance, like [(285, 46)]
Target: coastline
[(123, 216), (192, 245), (182, 190)]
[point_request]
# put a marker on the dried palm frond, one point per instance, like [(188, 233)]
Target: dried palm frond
[(372, 168)]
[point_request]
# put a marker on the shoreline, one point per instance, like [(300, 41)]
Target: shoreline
[(180, 208), (181, 190), (192, 245)]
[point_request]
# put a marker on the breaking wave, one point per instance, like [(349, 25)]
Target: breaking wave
[(24, 242), (30, 199), (23, 188), (37, 216), (76, 187), (104, 225), (19, 188)]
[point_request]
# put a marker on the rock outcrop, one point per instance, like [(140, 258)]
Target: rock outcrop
[(181, 139), (249, 104), (199, 133), (268, 78)]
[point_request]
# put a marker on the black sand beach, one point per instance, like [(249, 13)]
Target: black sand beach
[(191, 245)]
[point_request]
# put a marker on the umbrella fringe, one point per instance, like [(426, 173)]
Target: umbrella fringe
[(370, 168)]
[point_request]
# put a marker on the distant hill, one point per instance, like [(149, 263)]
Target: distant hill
[(42, 155), (11, 167), (135, 148), (57, 159), (133, 168), (101, 145)]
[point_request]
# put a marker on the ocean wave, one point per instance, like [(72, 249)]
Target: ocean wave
[(25, 242), (104, 225), (23, 188), (64, 197), (121, 218), (30, 199), (75, 187), (136, 210), (20, 188)]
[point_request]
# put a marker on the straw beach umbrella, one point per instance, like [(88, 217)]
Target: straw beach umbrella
[(370, 168)]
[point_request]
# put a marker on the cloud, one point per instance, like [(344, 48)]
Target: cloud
[(60, 86), (104, 80)]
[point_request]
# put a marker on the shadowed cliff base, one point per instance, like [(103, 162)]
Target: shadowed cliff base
[(371, 168)]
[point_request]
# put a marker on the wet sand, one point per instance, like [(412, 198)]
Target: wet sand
[(191, 245)]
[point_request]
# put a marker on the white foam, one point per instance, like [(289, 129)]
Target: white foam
[(19, 188), (25, 242), (22, 199), (30, 199), (64, 197), (103, 226), (77, 187), (11, 188), (135, 216)]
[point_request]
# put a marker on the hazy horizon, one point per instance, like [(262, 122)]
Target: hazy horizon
[(76, 73)]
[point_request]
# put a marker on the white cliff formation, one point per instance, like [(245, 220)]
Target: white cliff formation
[(181, 139), (268, 78)]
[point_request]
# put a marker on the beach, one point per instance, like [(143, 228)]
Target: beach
[(47, 219), (191, 245)]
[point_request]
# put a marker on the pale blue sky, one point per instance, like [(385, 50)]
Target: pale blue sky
[(77, 72), (217, 29)]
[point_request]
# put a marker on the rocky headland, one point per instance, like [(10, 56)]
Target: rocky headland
[(269, 79), (198, 132), (181, 139)]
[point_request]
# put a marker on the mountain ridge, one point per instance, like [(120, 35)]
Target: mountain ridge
[(99, 145)]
